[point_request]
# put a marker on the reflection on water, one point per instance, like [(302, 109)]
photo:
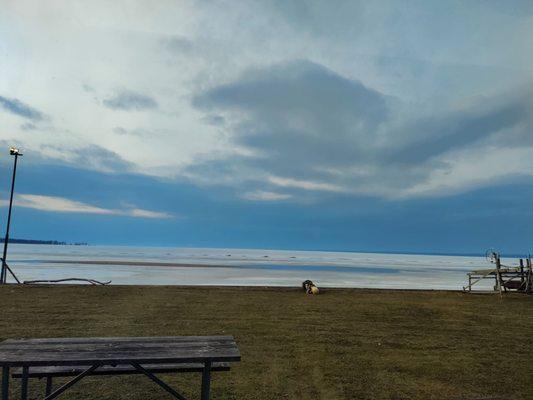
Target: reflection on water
[(244, 267)]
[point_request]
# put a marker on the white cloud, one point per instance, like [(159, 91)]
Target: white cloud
[(305, 184), (140, 213), (63, 205), (261, 195)]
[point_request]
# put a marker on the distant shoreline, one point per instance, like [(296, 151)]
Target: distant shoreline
[(504, 254), (43, 242)]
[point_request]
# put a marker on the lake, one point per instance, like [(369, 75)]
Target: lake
[(243, 267)]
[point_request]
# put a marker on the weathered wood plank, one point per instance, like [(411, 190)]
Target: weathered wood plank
[(72, 351), (95, 343), (111, 345), (82, 351), (125, 339)]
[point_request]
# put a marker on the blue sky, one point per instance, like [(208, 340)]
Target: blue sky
[(382, 126)]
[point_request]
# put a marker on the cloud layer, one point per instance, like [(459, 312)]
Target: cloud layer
[(129, 100), (278, 101), (307, 128), (64, 205), (17, 107)]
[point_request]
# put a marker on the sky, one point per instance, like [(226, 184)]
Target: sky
[(339, 125)]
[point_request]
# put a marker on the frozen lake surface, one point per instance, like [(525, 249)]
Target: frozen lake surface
[(244, 267)]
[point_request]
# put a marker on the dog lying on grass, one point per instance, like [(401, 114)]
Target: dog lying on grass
[(310, 287)]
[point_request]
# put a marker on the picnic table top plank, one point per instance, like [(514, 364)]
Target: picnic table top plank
[(82, 351), (124, 339), (111, 345)]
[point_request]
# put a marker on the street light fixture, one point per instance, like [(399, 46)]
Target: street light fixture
[(3, 273)]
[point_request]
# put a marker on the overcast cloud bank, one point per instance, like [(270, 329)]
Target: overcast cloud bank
[(364, 99)]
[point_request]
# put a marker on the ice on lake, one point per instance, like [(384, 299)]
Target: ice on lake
[(245, 267)]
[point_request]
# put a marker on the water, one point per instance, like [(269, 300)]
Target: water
[(244, 267)]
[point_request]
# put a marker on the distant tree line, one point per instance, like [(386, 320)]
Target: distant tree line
[(52, 242)]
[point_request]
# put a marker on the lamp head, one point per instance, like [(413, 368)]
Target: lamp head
[(14, 151)]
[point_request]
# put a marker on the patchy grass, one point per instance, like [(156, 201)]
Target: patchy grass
[(344, 344)]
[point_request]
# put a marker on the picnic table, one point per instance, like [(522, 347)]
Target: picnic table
[(134, 354)]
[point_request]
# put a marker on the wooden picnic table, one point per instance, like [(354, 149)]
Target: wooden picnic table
[(137, 352)]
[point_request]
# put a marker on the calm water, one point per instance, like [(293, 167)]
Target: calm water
[(245, 267)]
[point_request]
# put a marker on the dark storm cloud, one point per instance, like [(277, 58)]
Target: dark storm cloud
[(300, 114), (430, 137), (300, 89), (130, 101), (17, 107), (303, 121)]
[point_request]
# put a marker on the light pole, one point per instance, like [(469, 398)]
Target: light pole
[(3, 274)]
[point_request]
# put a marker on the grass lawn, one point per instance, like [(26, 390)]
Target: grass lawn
[(344, 344)]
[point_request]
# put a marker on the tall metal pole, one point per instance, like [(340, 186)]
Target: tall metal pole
[(3, 275)]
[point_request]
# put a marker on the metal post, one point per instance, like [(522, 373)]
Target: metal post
[(64, 387), (206, 381), (5, 383), (24, 384), (3, 274), (48, 386), (154, 378)]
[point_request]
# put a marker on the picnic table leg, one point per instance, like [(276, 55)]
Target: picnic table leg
[(72, 382), (206, 380), (24, 384), (5, 383), (48, 386), (154, 378)]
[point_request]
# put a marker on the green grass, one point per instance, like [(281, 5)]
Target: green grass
[(344, 344)]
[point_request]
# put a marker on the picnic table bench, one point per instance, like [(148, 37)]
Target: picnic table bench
[(80, 357)]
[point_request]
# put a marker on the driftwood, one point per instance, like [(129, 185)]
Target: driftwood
[(91, 281)]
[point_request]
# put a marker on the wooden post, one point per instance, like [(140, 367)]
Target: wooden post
[(529, 278), (527, 275), (498, 275), (522, 276)]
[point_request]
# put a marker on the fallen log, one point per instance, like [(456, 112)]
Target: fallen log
[(91, 281)]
